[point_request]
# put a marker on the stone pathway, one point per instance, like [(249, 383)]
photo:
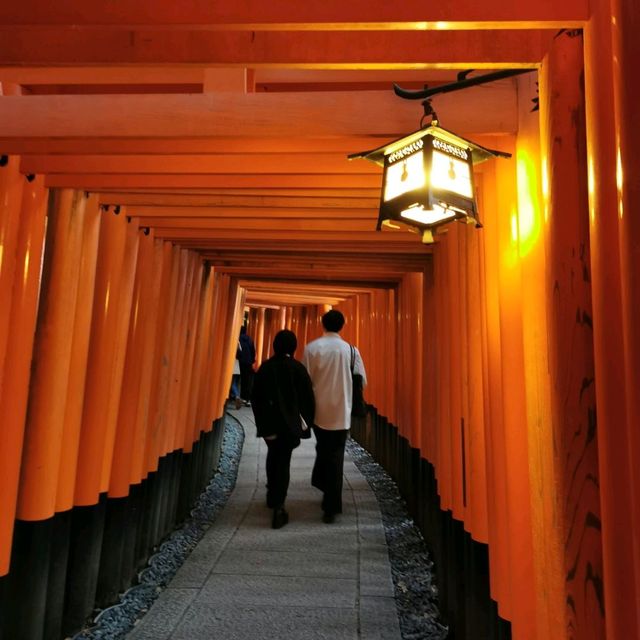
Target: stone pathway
[(308, 580)]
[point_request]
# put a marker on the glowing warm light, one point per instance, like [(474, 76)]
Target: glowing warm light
[(441, 25), (545, 187), (619, 182), (406, 175), (591, 188), (428, 216), (25, 270), (514, 228), (450, 174), (528, 205), (106, 298), (135, 314)]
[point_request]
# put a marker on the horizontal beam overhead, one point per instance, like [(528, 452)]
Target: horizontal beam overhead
[(179, 204), (256, 163), (262, 223), (96, 182), (258, 236), (290, 14), (487, 109), (372, 243), (243, 215), (188, 146), (321, 50)]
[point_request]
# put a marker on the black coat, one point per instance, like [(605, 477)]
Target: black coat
[(282, 392)]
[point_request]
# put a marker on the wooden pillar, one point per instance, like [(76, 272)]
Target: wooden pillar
[(52, 357), (101, 361), (153, 439), (546, 533), (514, 410), (79, 356), (200, 365), (619, 539), (497, 509), (21, 316), (625, 22), (11, 188), (576, 505), (135, 379)]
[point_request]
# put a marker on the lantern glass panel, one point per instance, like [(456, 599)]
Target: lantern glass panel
[(450, 174), (436, 215), (404, 176)]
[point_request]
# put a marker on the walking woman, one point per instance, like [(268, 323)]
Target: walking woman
[(283, 405)]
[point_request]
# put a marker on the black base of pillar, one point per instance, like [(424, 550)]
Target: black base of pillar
[(461, 563), (65, 567), (87, 528), (26, 596)]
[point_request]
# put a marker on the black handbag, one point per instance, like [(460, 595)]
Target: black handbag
[(358, 405)]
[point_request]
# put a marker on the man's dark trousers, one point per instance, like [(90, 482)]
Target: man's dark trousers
[(328, 468)]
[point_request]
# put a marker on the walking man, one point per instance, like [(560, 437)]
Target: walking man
[(328, 361)]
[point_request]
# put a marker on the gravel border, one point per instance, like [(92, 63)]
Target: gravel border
[(416, 593), (116, 621)]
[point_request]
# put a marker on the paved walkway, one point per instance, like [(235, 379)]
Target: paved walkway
[(308, 580)]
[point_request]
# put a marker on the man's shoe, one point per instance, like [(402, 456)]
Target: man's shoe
[(280, 518), (329, 518)]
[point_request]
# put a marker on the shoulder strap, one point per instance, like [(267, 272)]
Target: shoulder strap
[(353, 357)]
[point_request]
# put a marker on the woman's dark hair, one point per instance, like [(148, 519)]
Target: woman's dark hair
[(285, 342), (333, 320)]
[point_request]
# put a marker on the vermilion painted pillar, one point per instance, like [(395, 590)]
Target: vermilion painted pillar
[(514, 409), (21, 318), (260, 346), (136, 362), (200, 373), (52, 358), (150, 305), (580, 605), (101, 366), (188, 385), (176, 352), (11, 188), (476, 487), (443, 459), (497, 510), (619, 540), (125, 294), (79, 356), (626, 49), (546, 530), (153, 439)]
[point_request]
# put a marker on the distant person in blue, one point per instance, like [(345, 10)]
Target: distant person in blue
[(284, 407), (246, 358)]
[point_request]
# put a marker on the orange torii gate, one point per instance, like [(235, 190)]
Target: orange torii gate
[(166, 168)]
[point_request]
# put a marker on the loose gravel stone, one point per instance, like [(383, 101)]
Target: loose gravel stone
[(116, 621), (416, 593)]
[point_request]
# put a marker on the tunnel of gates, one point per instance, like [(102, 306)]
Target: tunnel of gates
[(485, 356), (118, 349)]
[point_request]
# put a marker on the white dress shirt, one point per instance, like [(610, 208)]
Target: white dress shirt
[(328, 361)]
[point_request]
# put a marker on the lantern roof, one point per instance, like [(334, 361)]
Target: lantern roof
[(478, 152)]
